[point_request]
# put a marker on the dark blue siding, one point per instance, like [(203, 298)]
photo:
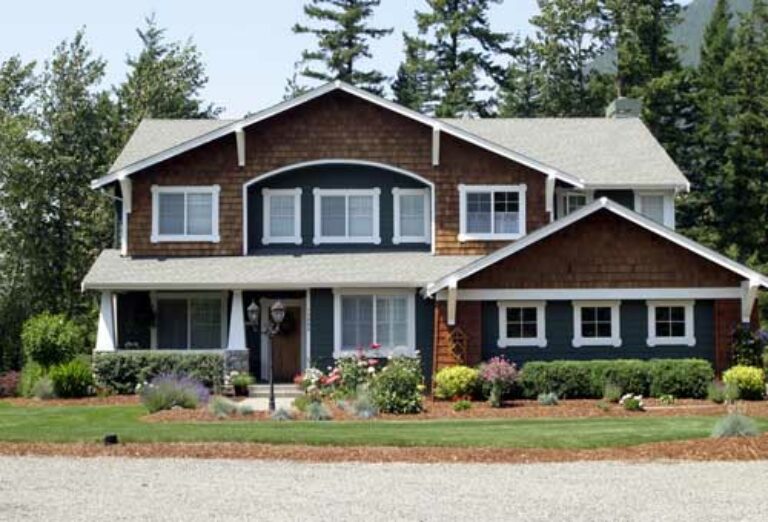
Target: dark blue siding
[(622, 197), (321, 319), (329, 177), (425, 318)]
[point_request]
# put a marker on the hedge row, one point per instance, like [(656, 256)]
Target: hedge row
[(587, 379), (122, 371)]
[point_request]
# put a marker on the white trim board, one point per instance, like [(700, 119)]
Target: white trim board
[(434, 124), (567, 294), (600, 204)]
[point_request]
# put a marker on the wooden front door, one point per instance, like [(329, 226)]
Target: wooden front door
[(287, 346)]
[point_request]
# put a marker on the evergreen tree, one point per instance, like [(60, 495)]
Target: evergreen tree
[(343, 41), (520, 92), (413, 83)]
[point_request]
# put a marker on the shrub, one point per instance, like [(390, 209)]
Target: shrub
[(748, 379), (9, 383), (352, 373), (612, 392), (301, 402), (569, 379), (222, 407), (72, 379), (124, 371), (548, 399), (463, 405), (165, 392), (30, 374), (747, 346), (398, 387), (667, 400), (43, 389), (735, 425), (500, 375), (680, 377), (716, 392), (455, 382), (281, 414), (240, 382), (50, 339), (632, 402), (316, 411)]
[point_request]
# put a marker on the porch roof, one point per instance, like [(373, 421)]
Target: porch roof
[(111, 271)]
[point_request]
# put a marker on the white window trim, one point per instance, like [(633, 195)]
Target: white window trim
[(187, 296), (562, 198), (266, 195), (687, 340), (668, 205), (474, 189), (319, 239), (397, 238), (541, 337), (613, 340), (410, 296), (213, 190)]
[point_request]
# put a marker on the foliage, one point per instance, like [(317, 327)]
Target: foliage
[(749, 380), (50, 339), (455, 382), (398, 387), (282, 414), (520, 89), (166, 392), (9, 383), (352, 373), (748, 346), (43, 389), (462, 405), (720, 393), (735, 425), (632, 402), (412, 86), (500, 375), (363, 405), (124, 371), (222, 407), (612, 392), (548, 399), (680, 377), (301, 402), (317, 411), (239, 379), (30, 374), (72, 379), (667, 399)]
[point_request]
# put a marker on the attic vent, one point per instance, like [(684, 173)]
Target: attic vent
[(624, 108)]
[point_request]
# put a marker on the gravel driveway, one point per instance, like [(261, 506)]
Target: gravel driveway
[(135, 489)]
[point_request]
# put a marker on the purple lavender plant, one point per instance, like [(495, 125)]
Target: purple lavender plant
[(169, 391)]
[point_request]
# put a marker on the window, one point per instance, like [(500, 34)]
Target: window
[(521, 323), (190, 322), (185, 213), (282, 216), (381, 317), (657, 206), (411, 210), (347, 216), (670, 323), (570, 201), (491, 212), (596, 323)]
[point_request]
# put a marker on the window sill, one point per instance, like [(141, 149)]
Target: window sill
[(489, 237), (405, 239), (527, 342), (185, 239), (597, 341), (346, 240), (281, 240), (671, 341)]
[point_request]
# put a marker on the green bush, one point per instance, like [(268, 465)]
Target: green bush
[(398, 387), (30, 374), (681, 377), (455, 382), (72, 379), (735, 425), (721, 393), (43, 389), (124, 371), (463, 405), (612, 392), (749, 380), (50, 339)]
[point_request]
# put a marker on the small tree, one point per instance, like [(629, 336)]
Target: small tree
[(51, 339)]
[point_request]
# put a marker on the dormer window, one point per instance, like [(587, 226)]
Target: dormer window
[(347, 216), (491, 212), (282, 216), (185, 213)]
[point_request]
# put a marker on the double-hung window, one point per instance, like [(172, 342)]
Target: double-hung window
[(347, 216), (185, 213), (491, 212), (411, 215), (657, 206), (596, 323), (190, 322), (384, 318), (521, 323), (670, 323), (570, 201), (282, 216)]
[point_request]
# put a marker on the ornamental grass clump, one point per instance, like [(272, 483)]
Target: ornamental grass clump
[(455, 382), (499, 375), (222, 407), (363, 406), (317, 411), (165, 392), (548, 399), (612, 392), (735, 425)]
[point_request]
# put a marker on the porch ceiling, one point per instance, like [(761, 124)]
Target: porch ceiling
[(111, 271)]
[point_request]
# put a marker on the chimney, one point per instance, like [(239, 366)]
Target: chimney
[(624, 108)]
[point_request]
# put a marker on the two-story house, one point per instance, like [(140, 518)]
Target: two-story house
[(463, 239)]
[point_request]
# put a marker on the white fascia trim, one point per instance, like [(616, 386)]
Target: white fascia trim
[(568, 294), (675, 187), (615, 338), (521, 189), (397, 238), (619, 210), (541, 337), (688, 339), (410, 296), (319, 239), (320, 91), (213, 190), (267, 194), (668, 204)]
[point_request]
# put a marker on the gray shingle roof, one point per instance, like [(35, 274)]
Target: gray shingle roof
[(602, 151), (391, 269)]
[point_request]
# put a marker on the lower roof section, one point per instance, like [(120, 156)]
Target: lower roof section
[(111, 271)]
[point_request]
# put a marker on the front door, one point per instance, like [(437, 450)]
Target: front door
[(287, 346)]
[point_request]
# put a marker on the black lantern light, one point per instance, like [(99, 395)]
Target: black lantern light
[(277, 316)]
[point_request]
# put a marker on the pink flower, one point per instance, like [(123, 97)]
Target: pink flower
[(375, 346)]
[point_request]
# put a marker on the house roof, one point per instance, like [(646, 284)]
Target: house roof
[(473, 267), (604, 152), (111, 271)]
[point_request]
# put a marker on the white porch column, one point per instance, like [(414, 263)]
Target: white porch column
[(749, 290), (105, 335), (549, 196), (453, 295), (236, 338)]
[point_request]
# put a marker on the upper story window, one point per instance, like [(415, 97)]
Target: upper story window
[(596, 323), (570, 201), (347, 216), (491, 212), (282, 216), (185, 213), (670, 323), (411, 215), (658, 206)]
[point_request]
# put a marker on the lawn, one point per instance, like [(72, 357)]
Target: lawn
[(90, 423)]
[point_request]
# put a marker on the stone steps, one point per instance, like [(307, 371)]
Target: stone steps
[(288, 391)]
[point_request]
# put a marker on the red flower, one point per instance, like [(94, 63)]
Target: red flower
[(375, 346)]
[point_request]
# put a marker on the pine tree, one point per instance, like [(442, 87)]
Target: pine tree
[(520, 92), (343, 41), (413, 83)]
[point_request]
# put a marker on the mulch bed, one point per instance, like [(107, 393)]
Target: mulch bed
[(692, 450)]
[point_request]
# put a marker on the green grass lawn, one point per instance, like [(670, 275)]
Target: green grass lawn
[(90, 423)]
